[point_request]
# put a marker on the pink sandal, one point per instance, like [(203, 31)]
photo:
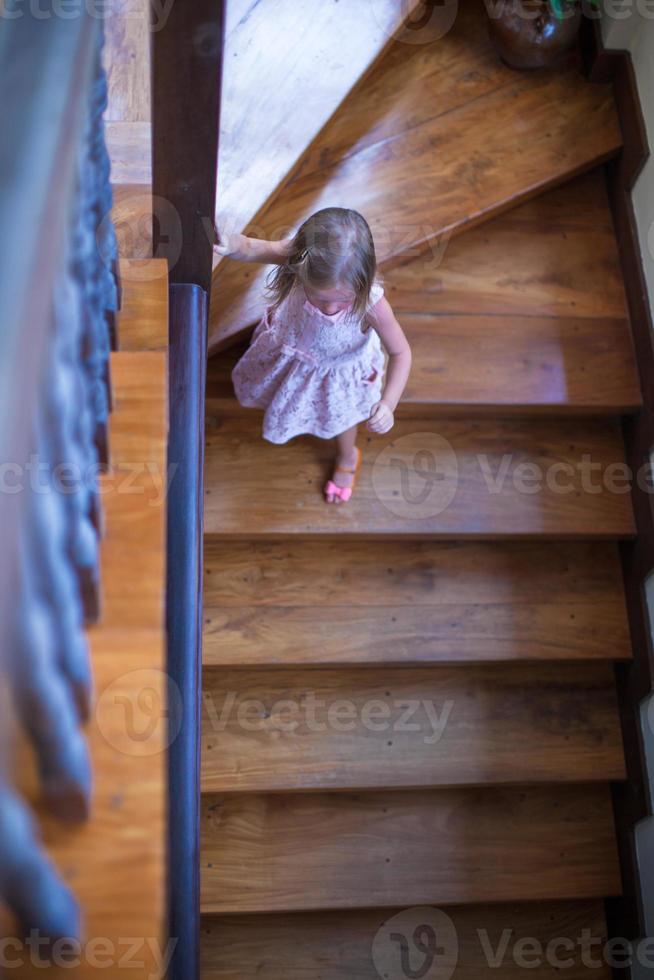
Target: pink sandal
[(344, 493)]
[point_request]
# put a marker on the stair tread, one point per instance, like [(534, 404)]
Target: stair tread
[(526, 313), (499, 363), (359, 944), (464, 477), (143, 318), (555, 255), (281, 853), (426, 180), (301, 603), (133, 493), (436, 726)]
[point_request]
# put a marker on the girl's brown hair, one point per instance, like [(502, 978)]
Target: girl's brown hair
[(333, 246)]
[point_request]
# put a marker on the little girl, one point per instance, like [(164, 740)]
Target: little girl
[(315, 363)]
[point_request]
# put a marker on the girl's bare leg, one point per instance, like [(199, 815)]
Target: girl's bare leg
[(346, 456)]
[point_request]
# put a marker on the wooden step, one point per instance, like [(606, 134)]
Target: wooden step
[(452, 149), (555, 255), (134, 493), (474, 478), (482, 941), (271, 731), (320, 602), (525, 314), (132, 218), (278, 853), (143, 323), (498, 364)]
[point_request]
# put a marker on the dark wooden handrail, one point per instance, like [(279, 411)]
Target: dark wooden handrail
[(187, 56)]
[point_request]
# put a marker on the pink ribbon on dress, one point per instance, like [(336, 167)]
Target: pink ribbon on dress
[(300, 355)]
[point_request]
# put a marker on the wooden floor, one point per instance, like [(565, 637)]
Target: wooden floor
[(409, 712), (116, 864)]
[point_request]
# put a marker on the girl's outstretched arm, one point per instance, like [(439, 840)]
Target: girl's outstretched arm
[(233, 245), (398, 368)]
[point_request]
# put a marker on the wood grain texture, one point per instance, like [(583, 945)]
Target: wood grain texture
[(273, 52), (326, 851), (132, 218), (130, 151), (187, 54), (334, 945), (524, 364), (525, 314), (133, 493), (297, 603), (430, 179), (127, 61), (116, 864), (144, 309), (553, 256), (463, 478), (497, 363), (271, 731), (128, 115)]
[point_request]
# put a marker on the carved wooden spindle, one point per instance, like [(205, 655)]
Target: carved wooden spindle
[(44, 698), (70, 556), (68, 414), (29, 884), (95, 253), (100, 161)]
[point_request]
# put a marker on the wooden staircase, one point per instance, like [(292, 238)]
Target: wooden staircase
[(455, 147), (410, 700)]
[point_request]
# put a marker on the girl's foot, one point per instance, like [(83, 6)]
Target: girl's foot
[(341, 486)]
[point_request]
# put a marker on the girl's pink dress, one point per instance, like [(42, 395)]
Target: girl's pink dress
[(312, 373)]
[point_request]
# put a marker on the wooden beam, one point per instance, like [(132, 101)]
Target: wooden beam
[(187, 55)]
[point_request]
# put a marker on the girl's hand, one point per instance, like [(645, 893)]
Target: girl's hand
[(381, 418), (224, 243)]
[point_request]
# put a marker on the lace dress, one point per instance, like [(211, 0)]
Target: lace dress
[(312, 373)]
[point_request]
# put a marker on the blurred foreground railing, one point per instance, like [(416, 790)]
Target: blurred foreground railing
[(58, 297)]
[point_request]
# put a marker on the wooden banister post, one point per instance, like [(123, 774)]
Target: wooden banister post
[(187, 54)]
